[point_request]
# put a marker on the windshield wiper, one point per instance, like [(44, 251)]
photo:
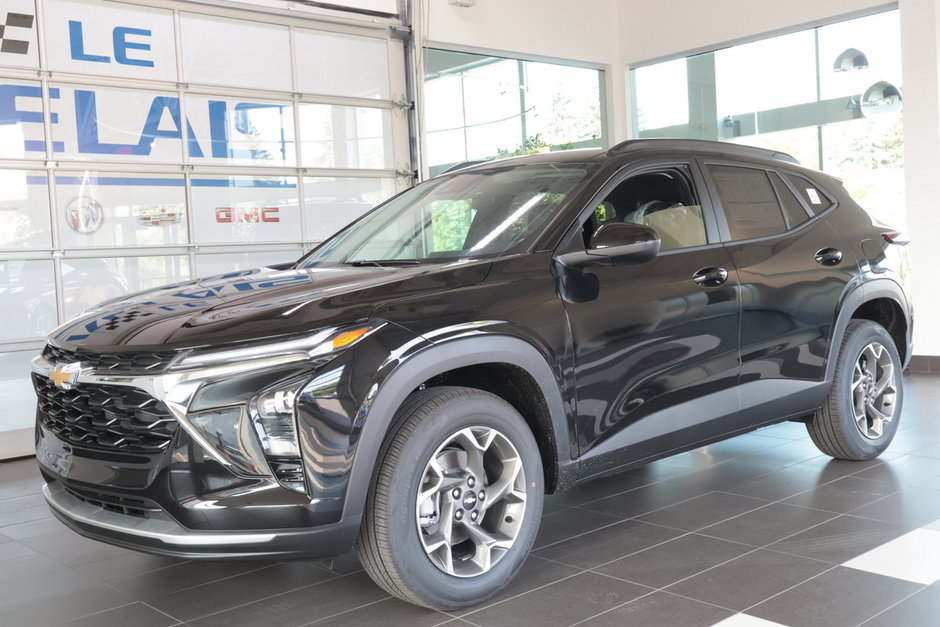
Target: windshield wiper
[(383, 262)]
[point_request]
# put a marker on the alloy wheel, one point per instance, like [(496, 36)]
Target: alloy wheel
[(471, 501), (874, 387)]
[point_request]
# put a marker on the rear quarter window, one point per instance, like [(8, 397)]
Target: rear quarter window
[(814, 197)]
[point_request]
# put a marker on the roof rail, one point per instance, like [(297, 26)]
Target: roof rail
[(463, 164), (699, 144)]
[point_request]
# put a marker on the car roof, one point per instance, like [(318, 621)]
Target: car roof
[(637, 148)]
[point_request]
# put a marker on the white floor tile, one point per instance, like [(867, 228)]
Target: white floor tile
[(915, 556), (744, 620)]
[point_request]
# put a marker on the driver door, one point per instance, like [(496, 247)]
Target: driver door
[(655, 343)]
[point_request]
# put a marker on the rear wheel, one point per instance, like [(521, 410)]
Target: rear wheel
[(861, 413), (457, 500)]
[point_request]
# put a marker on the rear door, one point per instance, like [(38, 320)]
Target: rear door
[(793, 269)]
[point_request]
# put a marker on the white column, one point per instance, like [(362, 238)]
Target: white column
[(920, 50)]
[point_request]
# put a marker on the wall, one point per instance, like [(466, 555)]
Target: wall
[(670, 28)]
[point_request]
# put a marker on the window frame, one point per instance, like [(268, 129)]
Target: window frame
[(783, 173), (572, 240)]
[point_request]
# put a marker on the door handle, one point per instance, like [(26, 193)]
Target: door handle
[(829, 256), (710, 277)]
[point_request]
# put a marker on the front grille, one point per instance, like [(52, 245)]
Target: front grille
[(111, 417), (136, 362), (140, 508)]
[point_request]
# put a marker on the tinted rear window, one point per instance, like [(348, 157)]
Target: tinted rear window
[(749, 201)]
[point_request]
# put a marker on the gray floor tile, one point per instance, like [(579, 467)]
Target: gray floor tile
[(132, 615), (386, 613), (776, 485), (667, 563), (129, 564), (768, 524), (608, 543), (907, 470), (859, 596), (842, 495), (663, 610), (300, 607), (159, 583), (254, 585), (840, 539), (644, 500), (26, 567), (563, 603), (569, 523), (675, 466), (60, 605), (749, 579), (703, 511), (923, 608), (535, 573), (345, 564), (908, 508)]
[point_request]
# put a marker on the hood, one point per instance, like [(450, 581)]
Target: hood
[(254, 304)]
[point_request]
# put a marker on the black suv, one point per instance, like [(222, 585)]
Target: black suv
[(415, 385)]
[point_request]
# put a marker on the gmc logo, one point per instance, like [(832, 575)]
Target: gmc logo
[(230, 215)]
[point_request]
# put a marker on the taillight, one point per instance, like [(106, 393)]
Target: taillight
[(897, 237)]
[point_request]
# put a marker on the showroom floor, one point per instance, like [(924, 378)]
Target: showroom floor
[(758, 530)]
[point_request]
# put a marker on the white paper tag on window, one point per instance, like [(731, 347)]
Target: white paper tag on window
[(813, 195)]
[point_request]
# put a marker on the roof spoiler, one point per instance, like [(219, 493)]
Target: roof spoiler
[(699, 144)]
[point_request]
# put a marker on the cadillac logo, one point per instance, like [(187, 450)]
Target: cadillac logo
[(84, 214), (157, 216), (64, 375)]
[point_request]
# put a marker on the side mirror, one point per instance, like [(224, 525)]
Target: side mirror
[(616, 243)]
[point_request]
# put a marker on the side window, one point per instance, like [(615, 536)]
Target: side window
[(748, 200), (793, 209), (662, 200), (816, 200)]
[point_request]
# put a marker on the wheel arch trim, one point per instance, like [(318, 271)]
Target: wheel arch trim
[(436, 359)]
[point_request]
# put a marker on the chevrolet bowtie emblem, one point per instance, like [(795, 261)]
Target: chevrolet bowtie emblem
[(60, 377)]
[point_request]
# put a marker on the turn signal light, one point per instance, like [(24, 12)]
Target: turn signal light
[(347, 338), (897, 237)]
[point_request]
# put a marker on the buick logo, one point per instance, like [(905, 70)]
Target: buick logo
[(84, 214)]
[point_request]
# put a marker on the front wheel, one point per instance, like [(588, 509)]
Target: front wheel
[(457, 500), (861, 413)]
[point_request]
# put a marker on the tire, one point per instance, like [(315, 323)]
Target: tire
[(868, 367), (401, 542)]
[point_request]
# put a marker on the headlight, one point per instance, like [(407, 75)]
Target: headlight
[(319, 344)]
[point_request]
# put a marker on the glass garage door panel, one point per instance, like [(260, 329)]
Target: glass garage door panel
[(95, 123), (24, 210), (346, 137), (27, 298), (16, 389), (233, 209), (240, 131), (101, 209), (341, 65), (332, 203), (87, 282), (220, 51), (21, 126)]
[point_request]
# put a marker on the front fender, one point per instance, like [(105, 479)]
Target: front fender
[(390, 389)]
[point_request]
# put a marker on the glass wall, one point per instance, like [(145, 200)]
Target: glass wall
[(480, 107), (152, 150), (830, 96)]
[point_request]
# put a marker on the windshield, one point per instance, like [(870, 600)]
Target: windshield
[(471, 215)]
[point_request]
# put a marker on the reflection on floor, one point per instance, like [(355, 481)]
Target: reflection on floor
[(758, 530)]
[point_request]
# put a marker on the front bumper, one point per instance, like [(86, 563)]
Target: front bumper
[(158, 533)]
